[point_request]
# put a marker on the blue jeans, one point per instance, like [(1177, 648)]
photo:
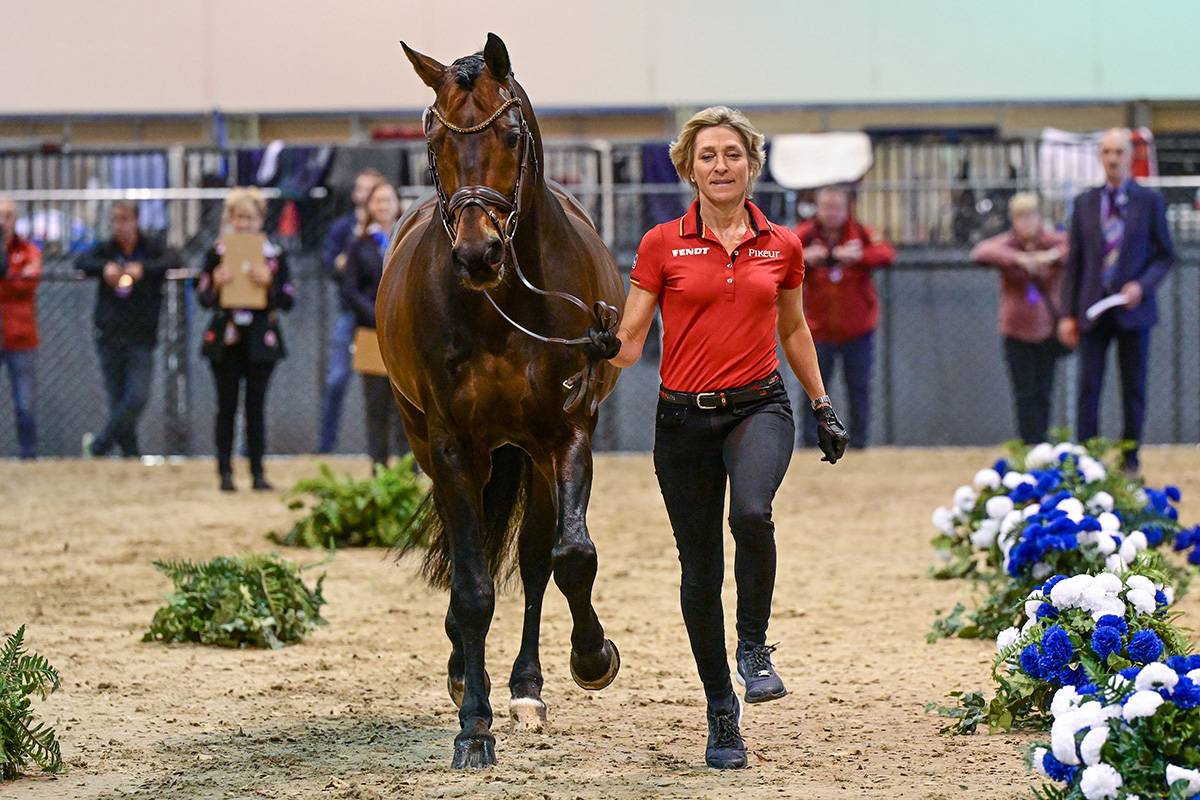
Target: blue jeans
[(21, 374), (856, 357), (337, 379), (128, 371)]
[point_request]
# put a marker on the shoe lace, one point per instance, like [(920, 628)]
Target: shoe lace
[(758, 658), (726, 729)]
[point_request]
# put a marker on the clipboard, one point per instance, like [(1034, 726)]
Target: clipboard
[(241, 251), (367, 357)]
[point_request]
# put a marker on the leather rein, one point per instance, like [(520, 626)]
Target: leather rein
[(489, 201)]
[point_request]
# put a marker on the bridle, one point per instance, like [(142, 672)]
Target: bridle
[(581, 387), (485, 197)]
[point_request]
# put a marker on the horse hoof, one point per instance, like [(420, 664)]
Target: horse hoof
[(614, 666), (528, 714), (474, 753), (457, 688)]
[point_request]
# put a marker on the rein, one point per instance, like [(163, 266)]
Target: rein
[(485, 197)]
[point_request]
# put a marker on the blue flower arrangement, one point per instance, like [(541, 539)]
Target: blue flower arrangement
[(1050, 509), (1135, 735), (1081, 631)]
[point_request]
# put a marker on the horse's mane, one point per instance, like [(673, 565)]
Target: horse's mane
[(468, 69)]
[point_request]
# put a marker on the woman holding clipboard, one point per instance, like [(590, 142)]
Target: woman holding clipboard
[(360, 285), (246, 283)]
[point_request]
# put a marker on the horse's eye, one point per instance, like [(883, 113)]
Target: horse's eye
[(512, 139)]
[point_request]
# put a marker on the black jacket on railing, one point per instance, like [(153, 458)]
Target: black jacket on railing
[(262, 332), (133, 319)]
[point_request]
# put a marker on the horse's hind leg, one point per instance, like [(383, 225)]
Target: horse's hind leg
[(527, 708), (594, 659)]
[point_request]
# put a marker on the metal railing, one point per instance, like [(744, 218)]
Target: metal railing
[(939, 314)]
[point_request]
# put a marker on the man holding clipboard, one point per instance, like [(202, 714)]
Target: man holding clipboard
[(1120, 251)]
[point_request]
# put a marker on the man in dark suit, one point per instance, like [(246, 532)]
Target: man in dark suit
[(1120, 244)]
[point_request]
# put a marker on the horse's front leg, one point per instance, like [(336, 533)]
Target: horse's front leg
[(457, 493), (594, 659)]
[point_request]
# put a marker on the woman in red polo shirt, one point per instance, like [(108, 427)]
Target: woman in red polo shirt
[(728, 282)]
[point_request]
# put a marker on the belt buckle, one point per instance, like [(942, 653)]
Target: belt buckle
[(716, 397)]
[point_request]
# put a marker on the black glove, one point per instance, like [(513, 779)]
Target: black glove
[(831, 434), (601, 344)]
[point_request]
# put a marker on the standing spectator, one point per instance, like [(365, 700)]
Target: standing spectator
[(132, 268), (20, 274), (1120, 244), (360, 285), (1029, 257), (840, 301), (242, 345), (342, 233), (729, 285)]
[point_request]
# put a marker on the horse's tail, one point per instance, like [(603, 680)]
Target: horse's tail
[(504, 501)]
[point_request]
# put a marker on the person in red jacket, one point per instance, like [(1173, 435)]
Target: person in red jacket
[(840, 301), (19, 278)]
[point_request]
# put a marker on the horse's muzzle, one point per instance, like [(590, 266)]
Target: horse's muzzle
[(479, 262)]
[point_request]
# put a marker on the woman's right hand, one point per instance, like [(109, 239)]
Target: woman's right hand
[(222, 276)]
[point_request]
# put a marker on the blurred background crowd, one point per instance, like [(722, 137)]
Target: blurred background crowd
[(898, 174)]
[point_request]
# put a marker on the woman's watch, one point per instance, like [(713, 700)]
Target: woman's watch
[(823, 400)]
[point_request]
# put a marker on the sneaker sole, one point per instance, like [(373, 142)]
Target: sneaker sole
[(764, 698)]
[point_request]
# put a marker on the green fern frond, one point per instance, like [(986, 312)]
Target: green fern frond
[(23, 674)]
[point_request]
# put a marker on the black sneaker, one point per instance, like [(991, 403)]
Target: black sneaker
[(227, 482), (754, 671), (725, 750), (261, 484)]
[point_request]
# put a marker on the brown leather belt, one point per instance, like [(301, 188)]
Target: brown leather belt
[(726, 397)]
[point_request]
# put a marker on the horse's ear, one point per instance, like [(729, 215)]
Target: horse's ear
[(495, 55), (428, 69)]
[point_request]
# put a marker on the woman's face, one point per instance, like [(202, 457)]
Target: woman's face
[(720, 166), (244, 219), (384, 206)]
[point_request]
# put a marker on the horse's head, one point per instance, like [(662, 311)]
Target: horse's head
[(481, 156)]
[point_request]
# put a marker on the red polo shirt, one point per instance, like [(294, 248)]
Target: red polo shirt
[(718, 308), (18, 296)]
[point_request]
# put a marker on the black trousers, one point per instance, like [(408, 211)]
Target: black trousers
[(1133, 350), (1031, 370), (234, 369), (383, 419), (696, 453)]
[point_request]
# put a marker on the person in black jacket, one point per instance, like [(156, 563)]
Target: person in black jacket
[(132, 268), (242, 345), (360, 285), (341, 235)]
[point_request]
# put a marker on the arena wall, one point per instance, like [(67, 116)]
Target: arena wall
[(190, 56)]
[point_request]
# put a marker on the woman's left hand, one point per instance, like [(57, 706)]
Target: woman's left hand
[(260, 274)]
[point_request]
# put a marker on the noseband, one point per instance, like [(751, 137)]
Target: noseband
[(485, 197)]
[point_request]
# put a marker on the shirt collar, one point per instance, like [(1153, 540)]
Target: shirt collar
[(690, 223)]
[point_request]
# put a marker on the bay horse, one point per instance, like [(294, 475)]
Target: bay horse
[(499, 415)]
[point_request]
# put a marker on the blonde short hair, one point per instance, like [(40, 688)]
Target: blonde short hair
[(683, 151), (245, 197), (1022, 203)]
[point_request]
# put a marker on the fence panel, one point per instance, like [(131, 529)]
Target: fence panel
[(939, 370)]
